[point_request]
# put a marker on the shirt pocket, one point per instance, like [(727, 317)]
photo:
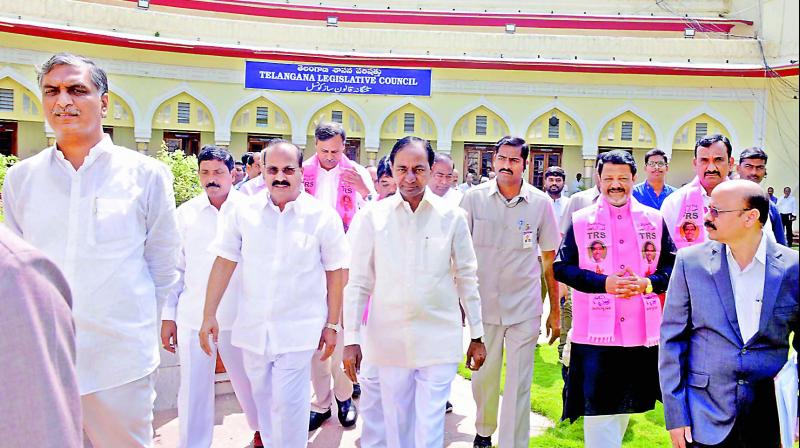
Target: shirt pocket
[(482, 233), (304, 253), (113, 220), (436, 253)]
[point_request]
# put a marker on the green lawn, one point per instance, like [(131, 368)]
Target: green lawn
[(645, 430)]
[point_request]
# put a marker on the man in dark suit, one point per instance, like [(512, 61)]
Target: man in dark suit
[(731, 304)]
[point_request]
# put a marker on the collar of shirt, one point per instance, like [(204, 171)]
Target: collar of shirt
[(760, 256), (264, 200), (429, 199), (103, 146), (524, 192)]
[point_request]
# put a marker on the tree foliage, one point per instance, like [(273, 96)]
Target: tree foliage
[(184, 171), (5, 163)]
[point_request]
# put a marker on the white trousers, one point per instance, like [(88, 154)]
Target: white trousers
[(196, 392), (120, 417), (321, 373), (370, 408), (413, 404), (280, 385), (604, 431), (520, 346)]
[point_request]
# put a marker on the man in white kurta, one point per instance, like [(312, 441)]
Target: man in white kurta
[(413, 254), (327, 176), (182, 313), (292, 251), (106, 216), (510, 222)]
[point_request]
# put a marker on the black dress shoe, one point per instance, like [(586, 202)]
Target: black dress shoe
[(317, 419), (448, 408), (347, 412), (482, 442), (356, 390)]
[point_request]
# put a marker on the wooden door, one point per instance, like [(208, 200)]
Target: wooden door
[(542, 158)]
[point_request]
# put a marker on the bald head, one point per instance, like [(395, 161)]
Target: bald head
[(738, 209)]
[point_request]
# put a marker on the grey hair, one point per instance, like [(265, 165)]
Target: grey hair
[(279, 141), (98, 75), (441, 157)]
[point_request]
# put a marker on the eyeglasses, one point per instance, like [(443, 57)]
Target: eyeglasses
[(715, 212), (656, 164), (274, 170)]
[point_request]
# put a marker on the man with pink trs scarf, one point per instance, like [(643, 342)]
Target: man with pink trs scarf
[(616, 313)]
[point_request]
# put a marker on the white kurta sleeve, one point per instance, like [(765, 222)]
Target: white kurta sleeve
[(170, 309), (465, 264), (361, 282), (161, 245), (333, 243)]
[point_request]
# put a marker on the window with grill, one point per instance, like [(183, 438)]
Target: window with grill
[(6, 100), (701, 130), (627, 131), (408, 122), (183, 113), (262, 117), (337, 116), (480, 124)]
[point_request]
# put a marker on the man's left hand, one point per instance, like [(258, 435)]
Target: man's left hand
[(553, 325), (327, 343), (476, 355), (351, 176)]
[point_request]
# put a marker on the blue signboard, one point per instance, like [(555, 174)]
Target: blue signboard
[(337, 79)]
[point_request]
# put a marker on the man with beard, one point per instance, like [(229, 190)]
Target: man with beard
[(442, 182), (182, 314), (293, 253), (613, 369), (654, 189), (731, 306), (753, 167), (345, 186), (413, 255), (511, 223), (106, 216), (554, 179), (712, 162)]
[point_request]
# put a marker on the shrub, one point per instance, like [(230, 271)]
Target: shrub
[(184, 171)]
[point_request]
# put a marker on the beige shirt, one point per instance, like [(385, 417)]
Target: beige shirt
[(577, 201), (415, 265), (507, 236)]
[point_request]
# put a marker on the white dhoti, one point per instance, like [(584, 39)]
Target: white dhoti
[(520, 344), (120, 417), (413, 404), (280, 385), (373, 430), (196, 393), (321, 373), (604, 431)]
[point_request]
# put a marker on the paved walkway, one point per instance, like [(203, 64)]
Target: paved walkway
[(231, 431)]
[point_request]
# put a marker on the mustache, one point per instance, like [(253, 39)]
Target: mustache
[(212, 184), (505, 170), (280, 183), (66, 112), (709, 225), (615, 190), (712, 172)]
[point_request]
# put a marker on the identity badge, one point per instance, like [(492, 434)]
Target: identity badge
[(527, 239)]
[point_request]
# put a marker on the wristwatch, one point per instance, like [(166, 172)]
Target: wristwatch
[(477, 340), (335, 327), (649, 288)]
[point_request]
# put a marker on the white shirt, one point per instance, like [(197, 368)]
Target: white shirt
[(197, 228), (415, 265), (282, 256), (328, 184), (110, 227), (253, 186), (453, 196), (787, 206), (559, 206), (748, 289)]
